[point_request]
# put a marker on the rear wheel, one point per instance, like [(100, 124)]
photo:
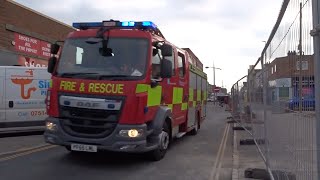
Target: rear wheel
[(160, 152)]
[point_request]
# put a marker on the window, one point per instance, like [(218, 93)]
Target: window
[(304, 65), (275, 68), (156, 58), (283, 92), (128, 59), (171, 59), (193, 80), (181, 64)]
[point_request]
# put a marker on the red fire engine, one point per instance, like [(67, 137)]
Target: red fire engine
[(121, 86)]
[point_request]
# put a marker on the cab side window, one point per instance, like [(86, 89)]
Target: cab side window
[(181, 64), (156, 58), (171, 59)]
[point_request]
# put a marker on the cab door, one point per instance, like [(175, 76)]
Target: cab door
[(170, 89), (181, 91)]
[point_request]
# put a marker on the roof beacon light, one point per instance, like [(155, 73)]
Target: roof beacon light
[(127, 23), (148, 23), (116, 24)]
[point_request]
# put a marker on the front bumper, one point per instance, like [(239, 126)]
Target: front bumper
[(113, 142)]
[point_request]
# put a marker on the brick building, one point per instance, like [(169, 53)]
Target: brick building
[(25, 35), (283, 76)]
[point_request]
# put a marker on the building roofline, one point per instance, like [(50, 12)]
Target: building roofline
[(38, 13)]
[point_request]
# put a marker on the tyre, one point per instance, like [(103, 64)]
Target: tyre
[(161, 151)]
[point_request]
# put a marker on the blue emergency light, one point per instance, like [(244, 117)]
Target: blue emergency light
[(112, 24), (115, 24)]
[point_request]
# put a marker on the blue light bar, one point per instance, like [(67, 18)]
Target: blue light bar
[(148, 23), (116, 24), (127, 23)]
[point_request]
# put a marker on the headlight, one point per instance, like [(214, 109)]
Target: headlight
[(51, 126), (132, 133)]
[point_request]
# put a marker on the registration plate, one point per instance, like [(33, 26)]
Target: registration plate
[(83, 147)]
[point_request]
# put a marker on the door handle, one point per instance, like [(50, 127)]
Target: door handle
[(185, 98), (10, 104)]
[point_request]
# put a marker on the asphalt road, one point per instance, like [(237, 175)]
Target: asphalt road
[(208, 155)]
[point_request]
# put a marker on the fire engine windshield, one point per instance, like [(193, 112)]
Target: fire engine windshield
[(80, 58)]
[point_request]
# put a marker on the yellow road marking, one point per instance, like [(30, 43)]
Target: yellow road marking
[(23, 150), (215, 170), (222, 155), (34, 150)]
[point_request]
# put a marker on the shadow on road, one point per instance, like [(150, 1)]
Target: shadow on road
[(106, 159)]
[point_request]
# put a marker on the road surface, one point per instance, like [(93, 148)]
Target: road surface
[(208, 155)]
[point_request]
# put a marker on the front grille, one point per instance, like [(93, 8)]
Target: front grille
[(80, 113), (89, 123)]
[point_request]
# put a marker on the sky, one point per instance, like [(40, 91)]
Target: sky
[(227, 34)]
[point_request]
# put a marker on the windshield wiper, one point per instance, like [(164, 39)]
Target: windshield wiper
[(97, 75), (75, 74)]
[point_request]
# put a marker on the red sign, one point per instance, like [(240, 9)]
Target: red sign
[(307, 91), (215, 88), (45, 49), (31, 45)]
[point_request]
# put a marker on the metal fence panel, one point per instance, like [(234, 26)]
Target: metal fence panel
[(276, 101)]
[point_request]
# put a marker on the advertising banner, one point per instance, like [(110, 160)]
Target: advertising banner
[(31, 46)]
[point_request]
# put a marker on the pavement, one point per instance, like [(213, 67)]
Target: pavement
[(244, 156), (206, 156), (291, 143)]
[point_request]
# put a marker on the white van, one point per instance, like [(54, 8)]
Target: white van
[(22, 97)]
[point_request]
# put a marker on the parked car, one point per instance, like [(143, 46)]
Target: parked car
[(307, 103)]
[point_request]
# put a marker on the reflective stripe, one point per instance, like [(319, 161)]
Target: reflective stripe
[(190, 94), (198, 95), (142, 88), (184, 106), (177, 95), (204, 95), (154, 96)]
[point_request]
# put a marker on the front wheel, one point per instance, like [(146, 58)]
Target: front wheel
[(160, 152)]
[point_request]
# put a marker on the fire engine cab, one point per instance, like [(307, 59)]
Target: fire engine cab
[(121, 86)]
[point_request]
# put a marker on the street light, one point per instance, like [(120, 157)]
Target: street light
[(214, 74), (214, 78)]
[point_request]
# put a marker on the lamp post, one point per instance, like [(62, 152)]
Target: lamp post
[(214, 76)]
